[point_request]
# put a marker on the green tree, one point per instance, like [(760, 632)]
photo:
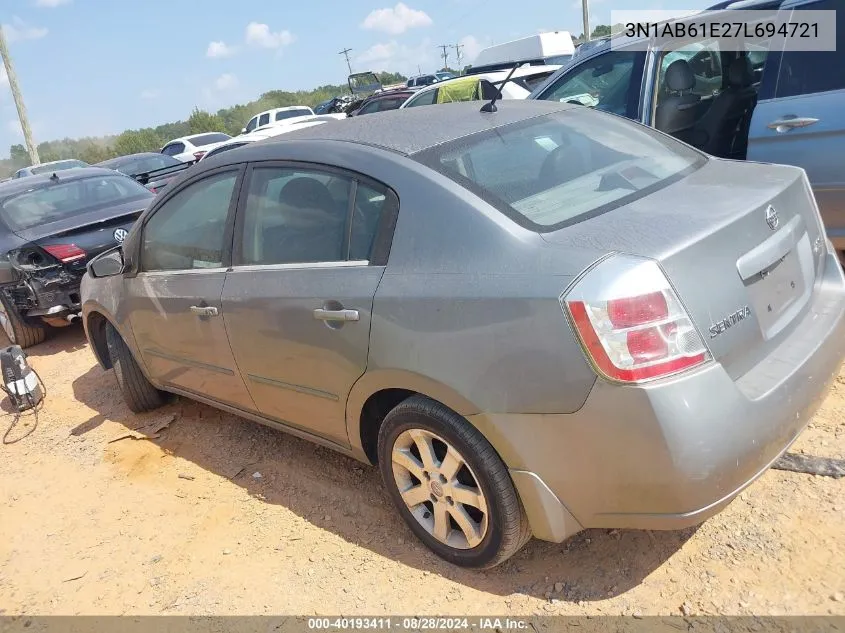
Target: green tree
[(136, 141), (201, 121), (602, 30)]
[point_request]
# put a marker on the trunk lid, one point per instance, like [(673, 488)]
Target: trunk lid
[(92, 231), (741, 243)]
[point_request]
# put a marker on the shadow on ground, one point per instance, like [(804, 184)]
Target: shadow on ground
[(338, 494)]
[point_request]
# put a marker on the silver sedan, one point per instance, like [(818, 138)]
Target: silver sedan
[(534, 321)]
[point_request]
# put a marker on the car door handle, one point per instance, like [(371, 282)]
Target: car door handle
[(787, 123), (336, 315), (204, 310)]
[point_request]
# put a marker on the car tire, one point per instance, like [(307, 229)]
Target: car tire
[(472, 483), (16, 328), (138, 393)]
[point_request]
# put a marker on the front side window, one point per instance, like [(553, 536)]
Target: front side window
[(608, 82), (298, 216), (561, 168), (63, 200), (187, 231), (810, 72), (253, 123)]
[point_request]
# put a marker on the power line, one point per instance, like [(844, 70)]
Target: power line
[(345, 52), (458, 54), (16, 95), (445, 54)]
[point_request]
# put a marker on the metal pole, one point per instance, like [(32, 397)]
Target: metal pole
[(16, 95), (585, 14)]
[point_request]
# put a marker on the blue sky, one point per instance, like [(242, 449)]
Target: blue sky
[(95, 67)]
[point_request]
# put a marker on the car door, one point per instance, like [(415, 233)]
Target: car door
[(174, 300), (309, 252), (800, 120), (610, 81)]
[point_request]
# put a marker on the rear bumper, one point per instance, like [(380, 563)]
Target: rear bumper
[(671, 454)]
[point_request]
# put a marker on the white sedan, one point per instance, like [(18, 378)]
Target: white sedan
[(269, 131), (520, 85), (189, 149)]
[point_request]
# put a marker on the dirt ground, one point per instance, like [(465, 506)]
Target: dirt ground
[(217, 515)]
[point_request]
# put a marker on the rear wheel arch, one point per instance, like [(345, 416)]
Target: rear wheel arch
[(377, 393)]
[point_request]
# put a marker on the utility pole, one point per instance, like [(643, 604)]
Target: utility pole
[(16, 95), (585, 14), (445, 54), (458, 54), (345, 52)]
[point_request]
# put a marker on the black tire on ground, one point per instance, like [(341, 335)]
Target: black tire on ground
[(508, 529), (139, 394), (19, 331)]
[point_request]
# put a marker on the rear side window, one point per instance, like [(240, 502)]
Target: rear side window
[(426, 98), (208, 139), (289, 114), (264, 119), (561, 168), (809, 72), (173, 149)]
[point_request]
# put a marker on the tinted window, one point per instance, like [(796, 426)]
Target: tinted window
[(141, 164), (370, 202), (65, 199), (553, 169), (253, 123), (224, 148), (295, 216), (369, 108), (264, 119), (188, 230), (604, 82), (426, 98), (208, 139), (806, 72), (173, 149), (289, 114)]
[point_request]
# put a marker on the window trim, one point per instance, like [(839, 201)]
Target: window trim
[(238, 170), (382, 241)]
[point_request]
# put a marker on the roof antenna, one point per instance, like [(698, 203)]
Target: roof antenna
[(491, 107), (54, 177)]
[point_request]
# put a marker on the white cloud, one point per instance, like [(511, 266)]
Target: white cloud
[(261, 36), (394, 57), (150, 94), (396, 20), (19, 30), (226, 81), (51, 3), (220, 49), (471, 48)]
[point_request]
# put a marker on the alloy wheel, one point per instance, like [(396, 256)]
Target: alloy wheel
[(440, 489)]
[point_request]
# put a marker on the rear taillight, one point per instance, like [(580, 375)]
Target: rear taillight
[(631, 323), (65, 253), (198, 155)]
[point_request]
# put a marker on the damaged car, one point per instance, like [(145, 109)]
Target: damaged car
[(50, 226)]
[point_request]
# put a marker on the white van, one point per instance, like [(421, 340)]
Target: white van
[(276, 114), (553, 47)]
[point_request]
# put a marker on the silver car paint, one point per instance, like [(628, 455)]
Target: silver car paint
[(469, 315)]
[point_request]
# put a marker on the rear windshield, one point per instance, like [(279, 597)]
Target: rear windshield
[(289, 114), (141, 164), (561, 168), (65, 199), (225, 148), (208, 139), (65, 164)]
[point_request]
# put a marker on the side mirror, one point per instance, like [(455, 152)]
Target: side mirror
[(243, 130), (108, 264)]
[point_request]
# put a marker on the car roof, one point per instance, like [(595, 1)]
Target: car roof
[(190, 137), (19, 185), (405, 131), (121, 159)]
